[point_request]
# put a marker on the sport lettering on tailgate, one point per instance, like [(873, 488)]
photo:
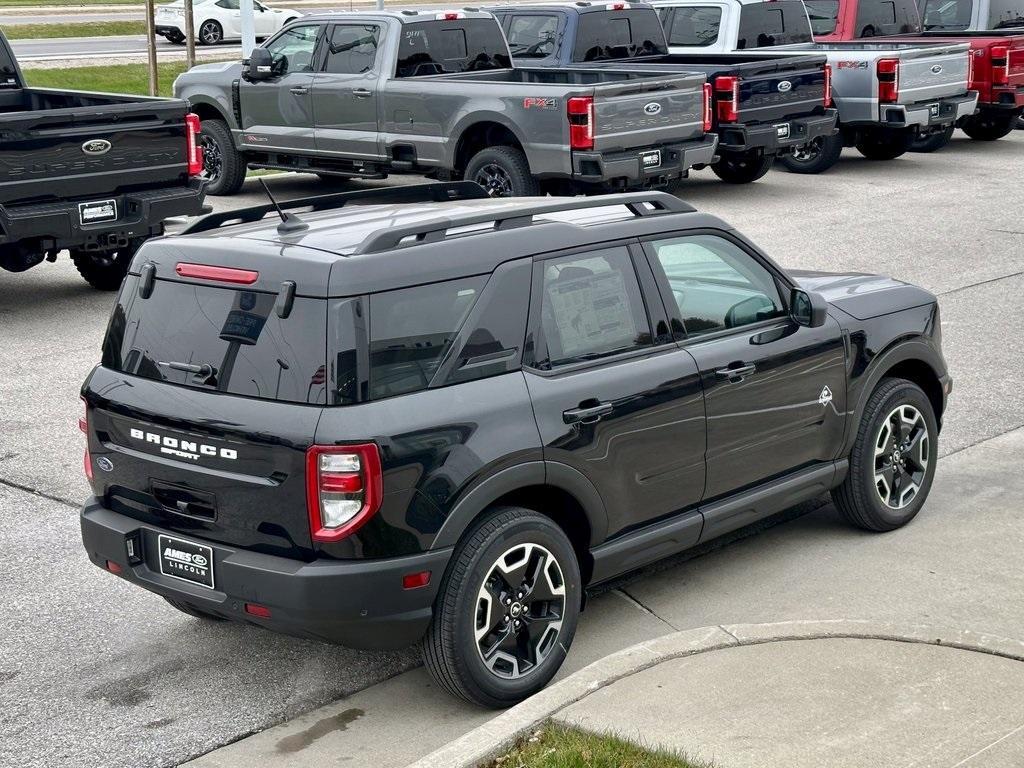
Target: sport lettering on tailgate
[(182, 449)]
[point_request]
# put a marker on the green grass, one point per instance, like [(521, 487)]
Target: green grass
[(556, 746), (76, 29), (120, 78)]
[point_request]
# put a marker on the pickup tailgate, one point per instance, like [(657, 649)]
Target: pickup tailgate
[(648, 112), (63, 145), (933, 72)]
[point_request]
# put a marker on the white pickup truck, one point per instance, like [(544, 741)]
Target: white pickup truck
[(888, 94)]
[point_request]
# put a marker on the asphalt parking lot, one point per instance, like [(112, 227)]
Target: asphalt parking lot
[(95, 673)]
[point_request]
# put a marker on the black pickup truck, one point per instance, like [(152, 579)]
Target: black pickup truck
[(763, 105), (94, 173)]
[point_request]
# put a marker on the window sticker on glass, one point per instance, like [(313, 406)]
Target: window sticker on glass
[(592, 310)]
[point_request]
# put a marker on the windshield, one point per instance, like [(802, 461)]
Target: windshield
[(947, 14), (609, 35), (822, 14)]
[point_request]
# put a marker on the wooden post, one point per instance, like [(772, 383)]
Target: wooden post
[(190, 35), (154, 81)]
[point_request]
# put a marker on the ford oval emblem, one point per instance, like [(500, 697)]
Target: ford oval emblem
[(96, 147), (937, 69), (652, 108), (199, 560), (105, 464), (784, 86)]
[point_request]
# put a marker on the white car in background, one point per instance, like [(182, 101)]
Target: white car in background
[(217, 20)]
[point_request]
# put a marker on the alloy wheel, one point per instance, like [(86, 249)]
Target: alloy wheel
[(519, 611), (213, 158), (210, 33), (495, 180), (901, 456)]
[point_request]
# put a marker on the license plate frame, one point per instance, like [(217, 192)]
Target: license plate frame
[(782, 130), (172, 557), (650, 160), (88, 213)]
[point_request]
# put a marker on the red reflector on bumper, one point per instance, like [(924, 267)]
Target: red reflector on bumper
[(415, 580), (260, 611), (113, 567)]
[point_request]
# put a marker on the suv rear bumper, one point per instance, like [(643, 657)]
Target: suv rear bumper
[(139, 214), (777, 137), (626, 170), (357, 603), (930, 114)]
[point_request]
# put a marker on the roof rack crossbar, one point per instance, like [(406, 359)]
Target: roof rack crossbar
[(638, 203), (412, 193)]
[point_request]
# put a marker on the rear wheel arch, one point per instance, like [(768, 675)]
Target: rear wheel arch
[(481, 135)]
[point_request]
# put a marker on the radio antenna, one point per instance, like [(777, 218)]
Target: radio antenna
[(290, 223)]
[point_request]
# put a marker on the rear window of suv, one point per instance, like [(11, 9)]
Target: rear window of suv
[(220, 340)]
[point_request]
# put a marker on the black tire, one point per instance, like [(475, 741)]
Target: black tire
[(933, 141), (191, 610), (176, 38), (105, 271), (223, 167), (989, 125), (503, 172), (884, 145), (450, 647), (816, 157), (742, 168), (859, 498), (210, 32)]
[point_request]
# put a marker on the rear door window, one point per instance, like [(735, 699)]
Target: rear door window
[(693, 26), (768, 24), (351, 49), (441, 47), (609, 35), (823, 14), (1003, 14), (886, 17), (946, 14), (220, 340)]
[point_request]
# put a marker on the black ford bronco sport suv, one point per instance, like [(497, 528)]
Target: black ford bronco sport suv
[(378, 422)]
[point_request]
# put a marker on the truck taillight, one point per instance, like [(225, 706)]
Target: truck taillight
[(727, 93), (970, 68), (344, 487), (888, 71), (581, 122), (195, 154), (1000, 65), (708, 98), (827, 96), (83, 426)]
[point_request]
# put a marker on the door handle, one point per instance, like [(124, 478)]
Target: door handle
[(362, 93), (299, 90), (736, 373), (590, 414)]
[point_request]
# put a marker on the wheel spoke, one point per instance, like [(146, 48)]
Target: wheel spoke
[(901, 456)]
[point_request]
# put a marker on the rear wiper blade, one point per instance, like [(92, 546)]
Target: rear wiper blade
[(203, 369)]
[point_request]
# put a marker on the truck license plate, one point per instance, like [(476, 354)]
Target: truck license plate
[(782, 130), (97, 212), (933, 110), (186, 560), (651, 159)]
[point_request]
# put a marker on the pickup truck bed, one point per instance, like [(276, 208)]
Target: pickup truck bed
[(93, 173)]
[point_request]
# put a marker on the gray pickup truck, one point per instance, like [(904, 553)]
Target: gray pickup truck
[(363, 95)]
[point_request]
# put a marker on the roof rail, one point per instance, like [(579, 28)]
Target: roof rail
[(412, 193), (639, 203)]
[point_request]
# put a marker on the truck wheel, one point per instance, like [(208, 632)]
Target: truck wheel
[(507, 609), (893, 459), (210, 33), (816, 157), (883, 145), (742, 168), (191, 610), (933, 141), (223, 167), (503, 172), (105, 271), (989, 125)]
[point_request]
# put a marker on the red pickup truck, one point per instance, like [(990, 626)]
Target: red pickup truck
[(997, 58)]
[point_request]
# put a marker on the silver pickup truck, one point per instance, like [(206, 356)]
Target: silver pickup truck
[(888, 94), (367, 94)]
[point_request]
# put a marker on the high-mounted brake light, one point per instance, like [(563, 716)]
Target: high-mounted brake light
[(827, 97), (888, 71), (581, 122), (617, 6), (706, 115), (1000, 65), (83, 426), (219, 274), (727, 92), (450, 16), (195, 154), (344, 487)]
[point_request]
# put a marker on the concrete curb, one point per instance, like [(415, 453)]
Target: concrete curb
[(493, 738)]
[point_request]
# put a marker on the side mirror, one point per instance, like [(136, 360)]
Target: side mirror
[(260, 65), (808, 308)]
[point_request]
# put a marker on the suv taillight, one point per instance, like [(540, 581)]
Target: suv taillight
[(707, 116), (581, 122), (888, 71), (1000, 65), (827, 95), (728, 95), (83, 426), (195, 154), (344, 486)]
